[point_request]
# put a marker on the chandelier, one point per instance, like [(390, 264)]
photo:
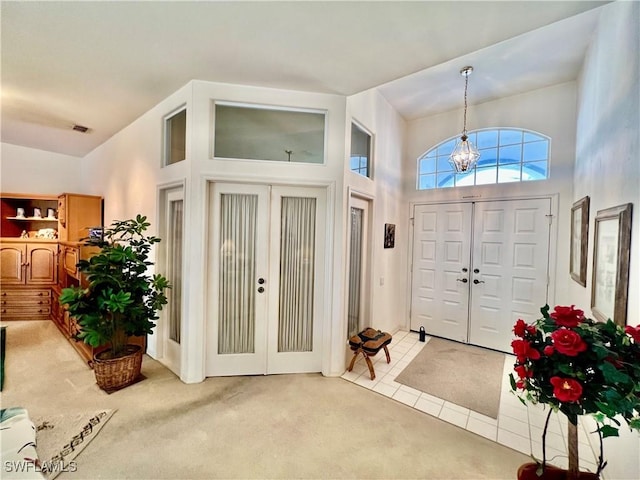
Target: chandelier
[(465, 155)]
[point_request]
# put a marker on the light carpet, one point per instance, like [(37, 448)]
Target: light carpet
[(462, 374), (61, 438)]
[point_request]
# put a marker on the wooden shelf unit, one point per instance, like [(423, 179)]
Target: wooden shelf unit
[(12, 226), (34, 270)]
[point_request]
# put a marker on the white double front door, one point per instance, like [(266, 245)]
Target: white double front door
[(478, 267), (265, 279)]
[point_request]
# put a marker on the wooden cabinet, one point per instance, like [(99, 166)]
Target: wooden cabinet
[(29, 270), (28, 262), (77, 214), (70, 254), (16, 304), (34, 229), (11, 260)]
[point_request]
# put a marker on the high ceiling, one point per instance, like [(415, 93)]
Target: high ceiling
[(103, 64)]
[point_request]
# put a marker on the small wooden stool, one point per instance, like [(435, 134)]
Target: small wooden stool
[(369, 342)]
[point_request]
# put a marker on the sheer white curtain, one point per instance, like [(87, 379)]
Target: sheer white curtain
[(355, 270), (174, 264), (297, 259), (236, 310)]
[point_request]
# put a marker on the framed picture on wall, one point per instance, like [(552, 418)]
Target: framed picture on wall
[(579, 241), (612, 249), (389, 235)]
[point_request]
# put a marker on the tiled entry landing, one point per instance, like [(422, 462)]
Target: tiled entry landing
[(517, 426)]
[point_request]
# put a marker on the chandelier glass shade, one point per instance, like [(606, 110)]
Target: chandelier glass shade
[(465, 155)]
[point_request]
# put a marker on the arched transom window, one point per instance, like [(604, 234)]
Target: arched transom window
[(506, 155)]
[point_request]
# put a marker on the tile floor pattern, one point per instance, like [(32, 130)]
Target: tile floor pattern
[(517, 426)]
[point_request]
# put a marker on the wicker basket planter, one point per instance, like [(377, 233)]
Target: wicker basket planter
[(116, 373)]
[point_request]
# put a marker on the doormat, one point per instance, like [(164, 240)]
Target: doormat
[(462, 374), (61, 438)]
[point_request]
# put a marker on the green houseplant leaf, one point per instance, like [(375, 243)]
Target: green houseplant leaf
[(119, 297)]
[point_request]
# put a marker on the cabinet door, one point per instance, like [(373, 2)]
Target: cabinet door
[(41, 264), (11, 259)]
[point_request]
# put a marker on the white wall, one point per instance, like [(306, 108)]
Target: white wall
[(27, 170), (550, 111), (388, 307), (607, 169)]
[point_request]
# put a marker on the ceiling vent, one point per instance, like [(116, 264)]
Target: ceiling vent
[(80, 128)]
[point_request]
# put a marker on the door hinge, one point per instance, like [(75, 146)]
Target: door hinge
[(550, 217)]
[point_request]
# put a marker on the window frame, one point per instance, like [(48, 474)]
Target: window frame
[(267, 107), (166, 135), (358, 125), (432, 155)]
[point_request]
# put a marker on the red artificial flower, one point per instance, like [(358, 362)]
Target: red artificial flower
[(523, 350), (548, 350), (568, 342), (634, 332), (567, 390), (521, 328), (523, 372), (567, 316), (520, 384)]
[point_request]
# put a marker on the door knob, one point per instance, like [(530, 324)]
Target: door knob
[(476, 270), (465, 269), (476, 281), (463, 280), (260, 289), (261, 281)]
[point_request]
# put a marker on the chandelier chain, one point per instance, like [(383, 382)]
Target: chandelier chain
[(464, 123)]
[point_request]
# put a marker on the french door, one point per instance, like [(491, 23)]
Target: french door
[(265, 279), (173, 233), (478, 267), (358, 270)]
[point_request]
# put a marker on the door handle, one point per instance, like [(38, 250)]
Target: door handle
[(463, 280), (476, 281)]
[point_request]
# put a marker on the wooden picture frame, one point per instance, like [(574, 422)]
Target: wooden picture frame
[(389, 235), (579, 241), (611, 254)]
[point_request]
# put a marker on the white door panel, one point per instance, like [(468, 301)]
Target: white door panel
[(511, 251), (238, 257), (442, 243), (295, 325), (504, 247)]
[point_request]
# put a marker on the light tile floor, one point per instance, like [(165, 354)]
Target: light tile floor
[(518, 426)]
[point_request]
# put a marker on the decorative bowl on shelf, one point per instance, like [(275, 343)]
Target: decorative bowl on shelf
[(48, 233)]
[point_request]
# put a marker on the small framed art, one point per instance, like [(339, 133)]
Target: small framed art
[(389, 235), (579, 241)]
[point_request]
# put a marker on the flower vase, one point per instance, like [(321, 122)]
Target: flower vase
[(529, 471)]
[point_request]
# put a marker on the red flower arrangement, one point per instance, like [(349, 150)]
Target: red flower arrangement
[(579, 366)]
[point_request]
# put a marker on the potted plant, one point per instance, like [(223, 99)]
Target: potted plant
[(577, 366), (117, 300)]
